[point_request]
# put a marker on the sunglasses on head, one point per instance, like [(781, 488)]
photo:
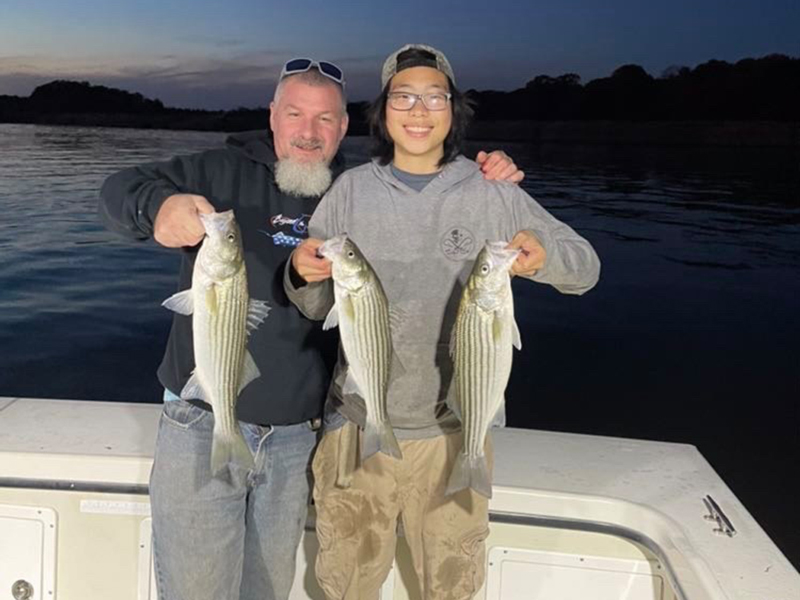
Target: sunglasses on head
[(301, 65)]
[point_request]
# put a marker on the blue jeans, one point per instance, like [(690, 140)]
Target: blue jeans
[(231, 538)]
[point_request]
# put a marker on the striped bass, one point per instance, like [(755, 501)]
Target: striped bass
[(361, 312), (223, 315), (481, 346)]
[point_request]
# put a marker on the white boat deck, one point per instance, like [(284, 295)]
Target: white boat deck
[(651, 492), (653, 489)]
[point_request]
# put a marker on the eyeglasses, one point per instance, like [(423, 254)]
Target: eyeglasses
[(407, 101), (301, 65)]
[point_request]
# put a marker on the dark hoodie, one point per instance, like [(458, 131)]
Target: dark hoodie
[(294, 356)]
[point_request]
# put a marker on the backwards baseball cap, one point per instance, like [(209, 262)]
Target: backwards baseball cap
[(415, 55)]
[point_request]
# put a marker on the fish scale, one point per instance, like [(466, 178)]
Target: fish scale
[(362, 314), (482, 346), (481, 393), (227, 345), (369, 317), (222, 317)]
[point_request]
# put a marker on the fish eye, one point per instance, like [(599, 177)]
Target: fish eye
[(351, 254), (231, 237), (485, 269)]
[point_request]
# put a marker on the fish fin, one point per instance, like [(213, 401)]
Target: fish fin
[(182, 302), (497, 328), (332, 320), (499, 419), (249, 371), (397, 316), (257, 311), (454, 405), (346, 306), (459, 475), (211, 299), (193, 390), (379, 436), (230, 449), (351, 385), (451, 400), (497, 331), (396, 368), (472, 472)]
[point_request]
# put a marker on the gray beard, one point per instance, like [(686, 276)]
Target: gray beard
[(302, 178)]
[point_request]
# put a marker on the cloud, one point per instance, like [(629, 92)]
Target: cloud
[(211, 41), (245, 79)]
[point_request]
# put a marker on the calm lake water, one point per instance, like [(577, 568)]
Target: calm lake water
[(690, 336)]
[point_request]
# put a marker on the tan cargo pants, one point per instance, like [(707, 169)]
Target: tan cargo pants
[(357, 524)]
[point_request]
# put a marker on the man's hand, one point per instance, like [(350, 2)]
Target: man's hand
[(178, 222), (498, 165), (532, 255), (307, 264)]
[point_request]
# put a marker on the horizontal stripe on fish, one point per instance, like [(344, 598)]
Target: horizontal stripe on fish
[(361, 312), (483, 336), (222, 316)]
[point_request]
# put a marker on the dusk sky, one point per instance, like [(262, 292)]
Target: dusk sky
[(221, 54)]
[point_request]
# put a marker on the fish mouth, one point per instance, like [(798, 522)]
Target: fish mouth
[(501, 255), (216, 221), (333, 246)]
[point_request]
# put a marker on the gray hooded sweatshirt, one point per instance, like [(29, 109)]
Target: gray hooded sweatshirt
[(422, 246)]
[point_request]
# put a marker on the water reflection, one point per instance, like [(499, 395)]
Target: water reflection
[(691, 334), (686, 220)]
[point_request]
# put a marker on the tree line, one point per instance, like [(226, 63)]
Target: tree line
[(763, 89)]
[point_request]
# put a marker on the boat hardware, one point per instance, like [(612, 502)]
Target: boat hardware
[(22, 590), (724, 525)]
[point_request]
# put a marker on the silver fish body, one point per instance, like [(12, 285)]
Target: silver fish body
[(361, 312), (222, 317), (484, 335)]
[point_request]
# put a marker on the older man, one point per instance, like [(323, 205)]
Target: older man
[(237, 537)]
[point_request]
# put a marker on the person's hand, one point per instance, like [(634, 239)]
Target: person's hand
[(307, 264), (532, 254), (178, 222), (498, 166)]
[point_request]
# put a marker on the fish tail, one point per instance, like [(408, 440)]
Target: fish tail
[(230, 449), (470, 472), (379, 436)]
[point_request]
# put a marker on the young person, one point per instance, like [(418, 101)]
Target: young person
[(419, 212)]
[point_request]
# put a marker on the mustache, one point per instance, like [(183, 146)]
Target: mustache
[(312, 144)]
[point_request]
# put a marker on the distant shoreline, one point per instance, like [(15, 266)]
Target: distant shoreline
[(633, 133), (752, 103), (623, 133)]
